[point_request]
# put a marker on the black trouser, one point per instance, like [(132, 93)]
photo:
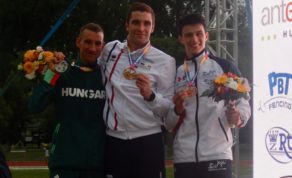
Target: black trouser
[(205, 169), (141, 157)]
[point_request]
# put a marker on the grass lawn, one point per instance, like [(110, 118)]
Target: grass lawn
[(169, 172), (30, 173), (45, 173), (28, 155)]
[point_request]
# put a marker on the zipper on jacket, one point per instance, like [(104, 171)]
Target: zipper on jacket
[(107, 59), (197, 119), (224, 131), (107, 114)]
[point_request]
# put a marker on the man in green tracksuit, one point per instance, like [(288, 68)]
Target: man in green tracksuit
[(78, 95)]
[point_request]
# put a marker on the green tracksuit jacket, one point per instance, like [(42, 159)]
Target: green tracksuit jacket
[(79, 136)]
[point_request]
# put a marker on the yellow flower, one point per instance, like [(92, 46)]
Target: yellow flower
[(20, 67), (28, 67), (222, 79)]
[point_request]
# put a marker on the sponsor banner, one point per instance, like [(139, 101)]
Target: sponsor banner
[(272, 88)]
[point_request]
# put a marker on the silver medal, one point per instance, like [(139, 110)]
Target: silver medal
[(61, 66)]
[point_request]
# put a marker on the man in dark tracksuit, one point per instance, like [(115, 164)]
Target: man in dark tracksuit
[(78, 95)]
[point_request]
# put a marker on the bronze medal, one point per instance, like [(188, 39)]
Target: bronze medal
[(191, 90), (130, 73)]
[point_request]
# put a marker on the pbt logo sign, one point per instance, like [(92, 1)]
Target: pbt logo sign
[(279, 144), (279, 83)]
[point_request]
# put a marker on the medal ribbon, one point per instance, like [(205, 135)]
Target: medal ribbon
[(134, 63), (83, 68), (187, 70)]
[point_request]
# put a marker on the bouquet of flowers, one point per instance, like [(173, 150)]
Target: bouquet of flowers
[(37, 61), (229, 88)]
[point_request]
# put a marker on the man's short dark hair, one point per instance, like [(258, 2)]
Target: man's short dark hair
[(140, 6), (92, 27), (191, 19)]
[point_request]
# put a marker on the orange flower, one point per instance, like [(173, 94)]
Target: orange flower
[(29, 67), (241, 88), (48, 56), (30, 55), (222, 79)]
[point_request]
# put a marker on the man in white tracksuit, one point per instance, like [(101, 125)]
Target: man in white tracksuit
[(139, 81), (203, 140)]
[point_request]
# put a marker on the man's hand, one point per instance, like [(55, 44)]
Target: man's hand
[(233, 116), (178, 100), (59, 57), (144, 85)]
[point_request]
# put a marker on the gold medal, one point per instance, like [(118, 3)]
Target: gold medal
[(191, 90), (130, 73)]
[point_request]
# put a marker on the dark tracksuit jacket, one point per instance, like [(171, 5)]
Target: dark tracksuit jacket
[(78, 139)]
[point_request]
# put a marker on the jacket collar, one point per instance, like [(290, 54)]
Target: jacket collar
[(197, 57)]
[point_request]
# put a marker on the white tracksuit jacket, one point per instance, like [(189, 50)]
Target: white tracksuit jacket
[(126, 114), (204, 134)]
